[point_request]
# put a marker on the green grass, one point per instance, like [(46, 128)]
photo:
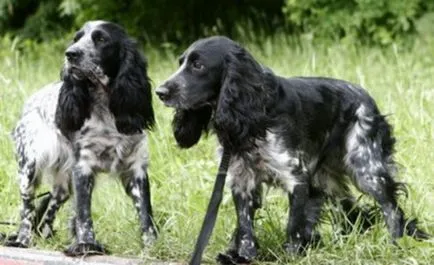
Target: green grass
[(402, 82)]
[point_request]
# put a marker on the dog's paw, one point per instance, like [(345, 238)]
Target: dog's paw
[(247, 250), (231, 258), (15, 244), (294, 248), (85, 249), (245, 254), (149, 237), (12, 241), (299, 246)]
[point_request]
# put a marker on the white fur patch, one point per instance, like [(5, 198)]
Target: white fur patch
[(121, 152), (271, 162), (358, 131)]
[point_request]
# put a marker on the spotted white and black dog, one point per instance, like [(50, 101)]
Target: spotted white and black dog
[(312, 136), (92, 121)]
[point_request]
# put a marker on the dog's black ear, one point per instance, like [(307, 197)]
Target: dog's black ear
[(188, 125), (73, 105), (241, 110), (131, 98)]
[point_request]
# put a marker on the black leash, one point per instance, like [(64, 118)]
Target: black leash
[(212, 211), (7, 223), (45, 201)]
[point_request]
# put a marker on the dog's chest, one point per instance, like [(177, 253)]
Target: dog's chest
[(270, 162), (101, 146)]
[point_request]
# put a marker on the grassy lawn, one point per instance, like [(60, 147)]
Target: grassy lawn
[(402, 81)]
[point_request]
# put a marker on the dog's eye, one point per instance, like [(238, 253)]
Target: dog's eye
[(100, 40), (197, 65), (99, 37)]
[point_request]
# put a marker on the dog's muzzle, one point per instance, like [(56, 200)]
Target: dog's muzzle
[(73, 55), (169, 91), (163, 93)]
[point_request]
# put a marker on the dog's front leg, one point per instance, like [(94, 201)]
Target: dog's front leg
[(85, 244), (243, 248), (138, 188)]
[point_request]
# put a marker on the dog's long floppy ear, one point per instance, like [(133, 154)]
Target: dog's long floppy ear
[(188, 125), (131, 97), (240, 117), (73, 105)]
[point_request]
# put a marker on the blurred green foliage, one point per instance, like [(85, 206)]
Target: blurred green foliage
[(372, 21), (162, 20), (174, 21)]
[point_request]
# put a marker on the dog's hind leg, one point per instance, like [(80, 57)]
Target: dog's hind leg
[(137, 186), (380, 185), (369, 161), (28, 183), (59, 196), (383, 189)]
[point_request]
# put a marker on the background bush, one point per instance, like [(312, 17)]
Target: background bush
[(377, 21), (162, 20), (367, 21)]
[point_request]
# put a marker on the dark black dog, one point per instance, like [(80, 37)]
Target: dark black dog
[(312, 136), (93, 121)]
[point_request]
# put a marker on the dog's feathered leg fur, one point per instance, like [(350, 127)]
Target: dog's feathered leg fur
[(369, 161)]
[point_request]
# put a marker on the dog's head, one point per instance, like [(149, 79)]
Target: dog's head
[(198, 80), (102, 54), (95, 52), (218, 77)]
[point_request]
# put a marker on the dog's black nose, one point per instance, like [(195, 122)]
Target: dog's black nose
[(72, 54), (162, 92)]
